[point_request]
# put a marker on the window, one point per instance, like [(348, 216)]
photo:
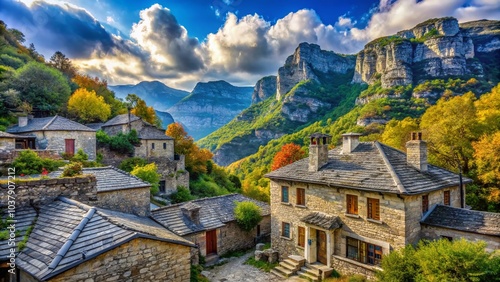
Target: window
[(374, 209), (164, 146), (352, 204), (285, 229), (447, 198), (363, 252), (425, 203), (284, 194), (152, 145), (162, 186), (301, 237), (301, 197), (258, 230), (447, 238)]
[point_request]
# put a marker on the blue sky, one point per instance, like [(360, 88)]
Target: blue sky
[(183, 42)]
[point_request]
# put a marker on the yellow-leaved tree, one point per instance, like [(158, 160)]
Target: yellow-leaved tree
[(397, 132), (88, 107)]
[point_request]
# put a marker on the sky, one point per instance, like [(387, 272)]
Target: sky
[(182, 42)]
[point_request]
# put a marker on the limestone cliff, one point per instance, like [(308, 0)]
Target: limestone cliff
[(264, 88), (434, 48), (210, 106)]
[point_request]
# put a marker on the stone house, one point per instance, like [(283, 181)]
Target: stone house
[(118, 190), (347, 207), (55, 133), (210, 223)]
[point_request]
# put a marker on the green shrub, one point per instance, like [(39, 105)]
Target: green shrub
[(28, 162), (129, 163), (148, 173), (182, 195), (121, 144), (133, 138), (102, 137), (247, 215), (80, 156), (99, 158), (72, 169)]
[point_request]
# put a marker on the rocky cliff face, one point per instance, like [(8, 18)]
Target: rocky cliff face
[(309, 62), (264, 88), (155, 93), (435, 48), (165, 118), (210, 106)]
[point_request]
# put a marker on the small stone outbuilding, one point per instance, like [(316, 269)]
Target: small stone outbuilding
[(210, 223)]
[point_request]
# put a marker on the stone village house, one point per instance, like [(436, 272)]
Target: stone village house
[(75, 240), (210, 223), (347, 207)]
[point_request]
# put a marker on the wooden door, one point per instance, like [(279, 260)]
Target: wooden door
[(321, 246), (211, 237), (70, 146)]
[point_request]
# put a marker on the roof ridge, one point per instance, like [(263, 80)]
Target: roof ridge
[(196, 200), (392, 172), (72, 238), (49, 123), (121, 225)]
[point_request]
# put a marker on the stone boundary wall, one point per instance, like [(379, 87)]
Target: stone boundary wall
[(135, 201), (348, 268), (45, 191)]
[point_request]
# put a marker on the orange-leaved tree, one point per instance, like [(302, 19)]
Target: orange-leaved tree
[(288, 154)]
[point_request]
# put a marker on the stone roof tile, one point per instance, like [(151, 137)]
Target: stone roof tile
[(323, 220), (55, 123)]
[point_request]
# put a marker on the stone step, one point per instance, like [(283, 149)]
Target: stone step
[(296, 279), (320, 268), (211, 260), (300, 260), (286, 272), (290, 264), (308, 276), (312, 271), (277, 273)]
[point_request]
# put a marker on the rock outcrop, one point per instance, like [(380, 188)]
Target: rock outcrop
[(210, 106), (309, 62), (434, 48), (264, 88)]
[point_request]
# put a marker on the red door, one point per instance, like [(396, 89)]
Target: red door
[(211, 237), (70, 146)]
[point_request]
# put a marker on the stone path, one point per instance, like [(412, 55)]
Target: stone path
[(235, 270)]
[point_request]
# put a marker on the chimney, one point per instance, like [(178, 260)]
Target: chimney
[(192, 212), (22, 121), (349, 142), (416, 152), (318, 151)]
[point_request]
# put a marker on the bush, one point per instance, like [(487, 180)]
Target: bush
[(102, 137), (80, 156), (130, 163), (28, 162), (247, 215), (121, 144), (72, 169), (148, 173), (182, 195)]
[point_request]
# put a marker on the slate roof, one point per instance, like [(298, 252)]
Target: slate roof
[(152, 133), (371, 166), (110, 178), (68, 233), (480, 222), (323, 220), (95, 126), (8, 135), (121, 119), (24, 218), (215, 212), (55, 123)]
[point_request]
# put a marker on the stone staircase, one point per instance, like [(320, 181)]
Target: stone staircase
[(289, 266), (315, 272)]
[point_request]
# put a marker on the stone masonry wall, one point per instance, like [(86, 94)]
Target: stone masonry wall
[(350, 268), (434, 233), (134, 201), (85, 140), (44, 191), (162, 149), (137, 260), (413, 207), (7, 143), (123, 128)]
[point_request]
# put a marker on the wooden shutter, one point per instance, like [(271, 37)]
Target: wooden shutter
[(447, 198), (301, 197), (302, 236), (425, 203), (352, 204), (374, 209)]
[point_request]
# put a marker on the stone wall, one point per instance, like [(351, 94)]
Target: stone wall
[(434, 233), (123, 128), (345, 267), (85, 140), (44, 191), (162, 149), (134, 201), (413, 208), (137, 260), (7, 143)]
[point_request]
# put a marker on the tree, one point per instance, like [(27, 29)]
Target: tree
[(88, 107), (397, 132), (488, 110), (247, 215), (288, 154), (41, 86), (441, 260), (63, 64), (148, 173), (139, 108), (101, 89), (487, 158)]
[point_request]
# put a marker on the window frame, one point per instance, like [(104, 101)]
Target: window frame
[(286, 199), (352, 204), (447, 198), (301, 236), (284, 228), (300, 200), (370, 209), (152, 146), (425, 203), (366, 253), (164, 145)]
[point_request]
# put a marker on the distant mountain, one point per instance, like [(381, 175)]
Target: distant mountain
[(155, 93), (165, 118), (210, 106)]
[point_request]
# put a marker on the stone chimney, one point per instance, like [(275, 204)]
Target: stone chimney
[(192, 212), (318, 151), (22, 121), (349, 142), (416, 152)]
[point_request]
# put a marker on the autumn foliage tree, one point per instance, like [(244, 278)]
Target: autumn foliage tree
[(140, 109), (87, 106), (196, 158), (288, 154), (100, 86)]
